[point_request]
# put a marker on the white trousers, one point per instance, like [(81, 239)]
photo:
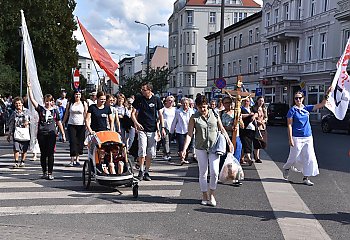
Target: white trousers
[(302, 156), (203, 157)]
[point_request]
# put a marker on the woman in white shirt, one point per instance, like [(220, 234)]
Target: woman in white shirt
[(180, 126), (168, 116), (76, 113)]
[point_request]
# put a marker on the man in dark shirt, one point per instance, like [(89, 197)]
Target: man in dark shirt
[(148, 111)]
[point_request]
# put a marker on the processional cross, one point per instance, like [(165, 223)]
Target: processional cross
[(237, 96)]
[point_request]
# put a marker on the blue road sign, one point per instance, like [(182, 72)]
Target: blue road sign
[(220, 83), (258, 92)]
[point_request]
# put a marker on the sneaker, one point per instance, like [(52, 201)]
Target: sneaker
[(15, 165), (166, 158), (50, 177), (146, 177), (169, 158), (258, 161), (286, 174), (71, 164), (44, 176), (77, 164), (140, 176), (204, 202), (212, 201), (307, 182), (237, 183), (22, 164)]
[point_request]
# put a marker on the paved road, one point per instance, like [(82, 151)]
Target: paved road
[(265, 207)]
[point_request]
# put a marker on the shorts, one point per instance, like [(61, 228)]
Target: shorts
[(20, 146), (147, 144)]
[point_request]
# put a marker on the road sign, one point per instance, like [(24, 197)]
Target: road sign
[(258, 92), (76, 77), (220, 83)]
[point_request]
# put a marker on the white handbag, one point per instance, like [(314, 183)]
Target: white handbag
[(21, 134)]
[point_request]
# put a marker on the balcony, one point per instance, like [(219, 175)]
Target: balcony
[(284, 30), (343, 11), (284, 71)]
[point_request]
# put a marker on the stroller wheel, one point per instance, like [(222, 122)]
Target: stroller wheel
[(135, 190), (87, 174)]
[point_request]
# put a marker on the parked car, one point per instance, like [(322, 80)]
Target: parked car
[(330, 122), (277, 113)]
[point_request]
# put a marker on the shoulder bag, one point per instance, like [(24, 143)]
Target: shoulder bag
[(21, 134)]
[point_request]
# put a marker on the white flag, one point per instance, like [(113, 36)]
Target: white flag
[(339, 98), (32, 76)]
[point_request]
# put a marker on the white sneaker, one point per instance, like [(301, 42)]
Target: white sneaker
[(286, 174), (308, 182), (212, 201), (166, 158)]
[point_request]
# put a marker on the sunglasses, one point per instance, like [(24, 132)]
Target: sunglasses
[(297, 98)]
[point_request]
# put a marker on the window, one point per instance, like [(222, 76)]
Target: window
[(312, 8), (266, 56), (181, 60), (211, 50), (235, 17), (188, 37), (309, 48), (297, 51), (269, 95), (223, 70), (212, 17), (315, 94), (285, 53), (193, 58), (240, 16), (346, 36), (257, 37), (79, 65), (286, 11), (267, 23), (250, 65), (211, 72), (256, 64), (174, 60), (234, 42), (325, 5), (224, 46), (89, 66), (240, 41), (300, 9), (181, 20), (276, 15), (187, 58), (180, 40), (189, 17), (193, 38), (250, 36), (88, 76), (240, 66), (234, 68), (323, 45), (229, 44), (274, 57), (245, 15), (229, 69)]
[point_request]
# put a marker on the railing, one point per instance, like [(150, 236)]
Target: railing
[(283, 27)]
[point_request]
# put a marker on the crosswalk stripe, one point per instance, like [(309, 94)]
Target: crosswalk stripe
[(102, 209)]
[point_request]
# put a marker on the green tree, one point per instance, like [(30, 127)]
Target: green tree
[(50, 24), (158, 77)]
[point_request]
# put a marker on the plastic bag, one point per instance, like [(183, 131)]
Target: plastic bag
[(231, 169)]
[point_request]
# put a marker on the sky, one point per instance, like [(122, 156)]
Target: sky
[(112, 23)]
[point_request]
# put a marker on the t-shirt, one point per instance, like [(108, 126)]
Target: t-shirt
[(47, 120), (99, 117), (301, 124), (147, 112)]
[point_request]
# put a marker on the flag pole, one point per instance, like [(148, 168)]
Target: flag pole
[(93, 61)]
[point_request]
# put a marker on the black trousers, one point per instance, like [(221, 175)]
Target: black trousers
[(76, 134), (47, 143)]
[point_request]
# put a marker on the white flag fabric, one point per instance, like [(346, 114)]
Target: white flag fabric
[(339, 98), (32, 76)]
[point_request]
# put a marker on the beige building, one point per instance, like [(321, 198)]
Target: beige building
[(241, 55), (189, 23), (158, 58)]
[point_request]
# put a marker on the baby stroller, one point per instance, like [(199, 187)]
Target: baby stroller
[(108, 163)]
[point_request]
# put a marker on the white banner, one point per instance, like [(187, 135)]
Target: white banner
[(32, 76), (338, 100)]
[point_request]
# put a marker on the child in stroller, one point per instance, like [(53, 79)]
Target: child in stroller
[(111, 160)]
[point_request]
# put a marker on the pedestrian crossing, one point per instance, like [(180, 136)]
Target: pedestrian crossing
[(22, 192)]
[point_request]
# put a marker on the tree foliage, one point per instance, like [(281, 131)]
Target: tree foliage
[(50, 24), (158, 77)]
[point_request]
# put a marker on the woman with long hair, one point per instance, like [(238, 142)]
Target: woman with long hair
[(260, 124), (75, 113), (48, 120)]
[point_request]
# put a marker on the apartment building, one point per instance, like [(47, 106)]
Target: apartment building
[(158, 58), (301, 44), (189, 23), (85, 68), (241, 55)]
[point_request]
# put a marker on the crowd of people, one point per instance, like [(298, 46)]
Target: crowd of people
[(144, 120)]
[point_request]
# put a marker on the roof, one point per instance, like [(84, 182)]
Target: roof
[(245, 3)]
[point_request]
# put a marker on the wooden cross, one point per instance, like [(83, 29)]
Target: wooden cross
[(237, 96)]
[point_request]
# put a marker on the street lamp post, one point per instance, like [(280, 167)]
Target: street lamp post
[(148, 41)]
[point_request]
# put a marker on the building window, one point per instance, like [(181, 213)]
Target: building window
[(240, 66), (235, 17), (250, 69), (315, 94), (250, 34), (257, 35), (181, 20), (234, 68), (346, 36), (229, 69), (212, 17), (211, 50), (223, 70), (174, 61), (234, 42), (286, 11), (229, 44), (300, 9), (180, 40), (276, 15), (240, 16), (285, 53), (297, 51), (189, 17), (269, 95), (312, 8), (211, 72), (240, 41), (88, 76), (79, 64), (89, 66), (187, 58), (188, 37), (245, 15), (256, 64), (193, 58), (266, 56), (267, 23), (274, 57), (309, 47), (323, 45), (193, 38)]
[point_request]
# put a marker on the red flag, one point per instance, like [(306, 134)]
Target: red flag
[(99, 54)]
